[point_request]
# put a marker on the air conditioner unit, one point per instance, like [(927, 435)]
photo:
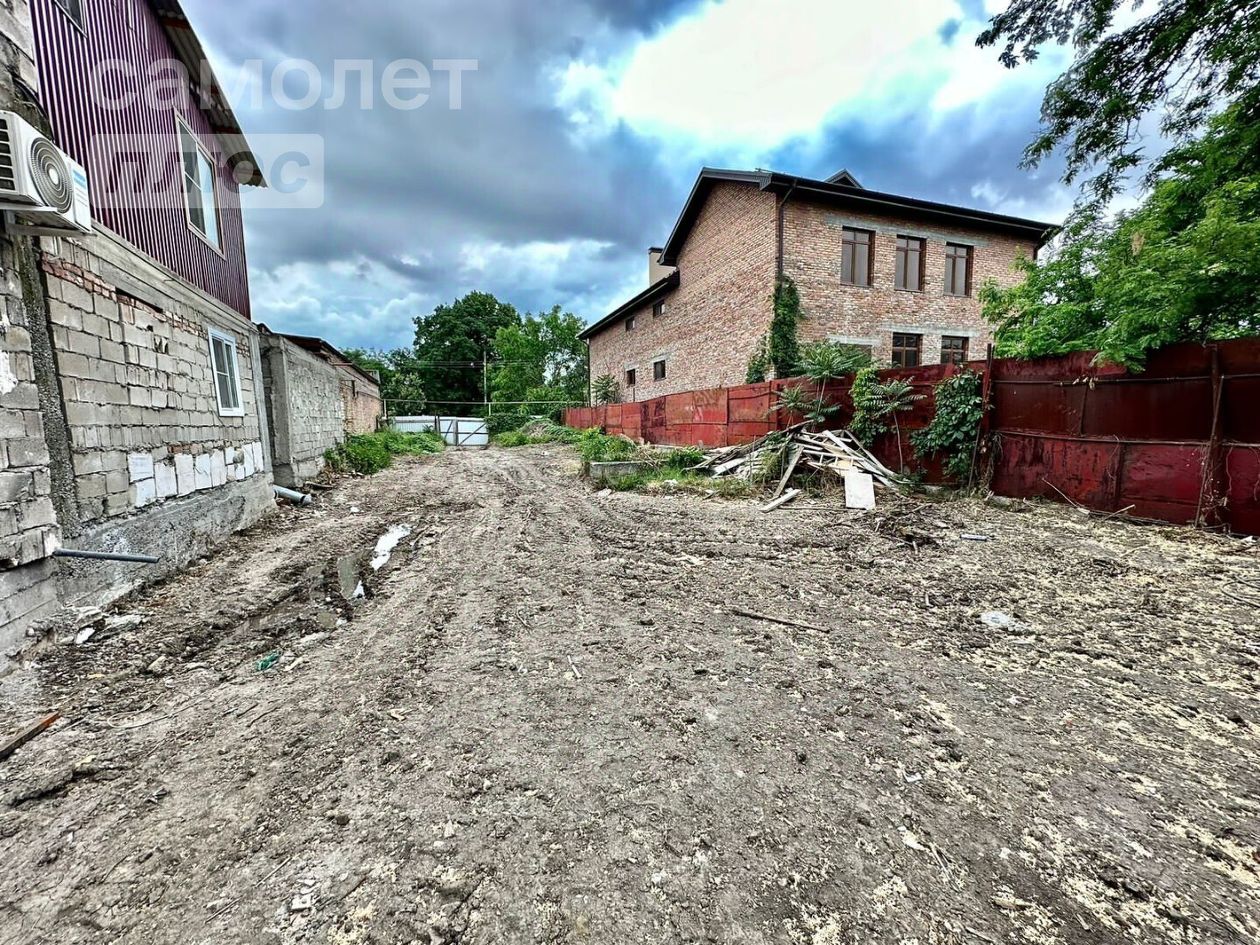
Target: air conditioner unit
[(40, 183)]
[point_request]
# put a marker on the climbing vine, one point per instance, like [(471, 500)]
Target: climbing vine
[(759, 363), (783, 349), (953, 430)]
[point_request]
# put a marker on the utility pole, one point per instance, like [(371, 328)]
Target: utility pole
[(485, 381)]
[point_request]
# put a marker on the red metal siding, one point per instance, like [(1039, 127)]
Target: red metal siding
[(128, 31)]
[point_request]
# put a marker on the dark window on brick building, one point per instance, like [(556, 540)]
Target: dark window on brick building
[(630, 323), (658, 370), (658, 309), (957, 269), (856, 258), (910, 256), (953, 349), (907, 350), (630, 377)]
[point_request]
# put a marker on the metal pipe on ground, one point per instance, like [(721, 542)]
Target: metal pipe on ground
[(297, 498), (105, 556)]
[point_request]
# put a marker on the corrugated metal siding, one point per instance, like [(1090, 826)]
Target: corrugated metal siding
[(128, 30)]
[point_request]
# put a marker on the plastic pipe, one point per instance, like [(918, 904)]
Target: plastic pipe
[(297, 498)]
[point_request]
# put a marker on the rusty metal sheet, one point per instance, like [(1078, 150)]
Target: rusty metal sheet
[(1242, 500), (1240, 416), (1150, 410), (698, 406), (1028, 466)]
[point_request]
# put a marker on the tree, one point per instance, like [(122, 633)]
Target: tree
[(399, 371), (1183, 266), (1188, 57), (451, 344), (822, 362), (542, 353), (605, 390)]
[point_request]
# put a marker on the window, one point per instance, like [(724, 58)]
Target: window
[(658, 308), (906, 349), (855, 256), (200, 195), (658, 370), (953, 349), (227, 380), (957, 269), (630, 323), (631, 376), (910, 257), (74, 10)]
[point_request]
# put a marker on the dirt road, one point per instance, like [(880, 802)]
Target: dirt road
[(545, 724)]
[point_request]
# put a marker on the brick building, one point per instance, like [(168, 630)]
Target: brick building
[(894, 274)]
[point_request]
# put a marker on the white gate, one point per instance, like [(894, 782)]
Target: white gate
[(460, 432)]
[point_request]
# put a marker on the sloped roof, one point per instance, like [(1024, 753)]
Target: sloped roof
[(213, 102), (843, 190), (650, 294)]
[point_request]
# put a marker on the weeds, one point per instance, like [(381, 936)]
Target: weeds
[(369, 453)]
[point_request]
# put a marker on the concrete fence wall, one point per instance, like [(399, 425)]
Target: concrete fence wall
[(306, 408)]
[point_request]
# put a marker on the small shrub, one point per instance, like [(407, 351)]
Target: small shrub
[(369, 453), (597, 447)]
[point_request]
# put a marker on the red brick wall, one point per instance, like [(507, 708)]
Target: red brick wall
[(721, 307), (870, 315)]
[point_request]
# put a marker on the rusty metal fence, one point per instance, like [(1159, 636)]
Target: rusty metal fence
[(1179, 442)]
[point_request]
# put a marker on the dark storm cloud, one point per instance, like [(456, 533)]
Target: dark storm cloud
[(408, 192)]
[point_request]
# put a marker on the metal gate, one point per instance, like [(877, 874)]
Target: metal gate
[(462, 433)]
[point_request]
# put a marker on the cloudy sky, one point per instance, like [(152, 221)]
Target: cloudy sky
[(581, 132)]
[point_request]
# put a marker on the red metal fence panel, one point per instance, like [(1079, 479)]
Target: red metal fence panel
[(1179, 442)]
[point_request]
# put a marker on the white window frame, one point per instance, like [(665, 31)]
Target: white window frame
[(228, 340), (181, 128)]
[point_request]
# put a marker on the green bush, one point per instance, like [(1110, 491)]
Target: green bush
[(955, 425), (597, 447), (368, 453)]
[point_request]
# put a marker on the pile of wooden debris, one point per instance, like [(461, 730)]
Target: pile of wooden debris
[(796, 450)]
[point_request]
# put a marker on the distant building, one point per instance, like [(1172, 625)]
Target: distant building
[(892, 274)]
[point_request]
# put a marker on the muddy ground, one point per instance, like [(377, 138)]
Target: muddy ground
[(544, 723)]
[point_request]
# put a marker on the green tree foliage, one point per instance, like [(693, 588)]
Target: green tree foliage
[(399, 372), (1185, 58), (451, 343), (876, 406), (955, 425), (1183, 266), (783, 348), (823, 362), (605, 390), (541, 351)]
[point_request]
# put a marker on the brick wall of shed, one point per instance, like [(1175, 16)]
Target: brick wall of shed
[(870, 315), (305, 407), (362, 402), (723, 304)]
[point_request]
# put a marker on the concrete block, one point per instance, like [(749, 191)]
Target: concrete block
[(144, 493), (218, 469), (238, 473), (185, 474), (30, 451), (247, 463), (37, 514), (92, 487), (116, 481), (167, 480), (16, 486), (140, 466), (203, 478)]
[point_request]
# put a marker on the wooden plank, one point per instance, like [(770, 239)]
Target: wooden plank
[(21, 738), (782, 500), (793, 459)]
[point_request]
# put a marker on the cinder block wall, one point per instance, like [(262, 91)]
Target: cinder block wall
[(722, 306), (306, 411), (868, 315), (155, 468), (28, 523)]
